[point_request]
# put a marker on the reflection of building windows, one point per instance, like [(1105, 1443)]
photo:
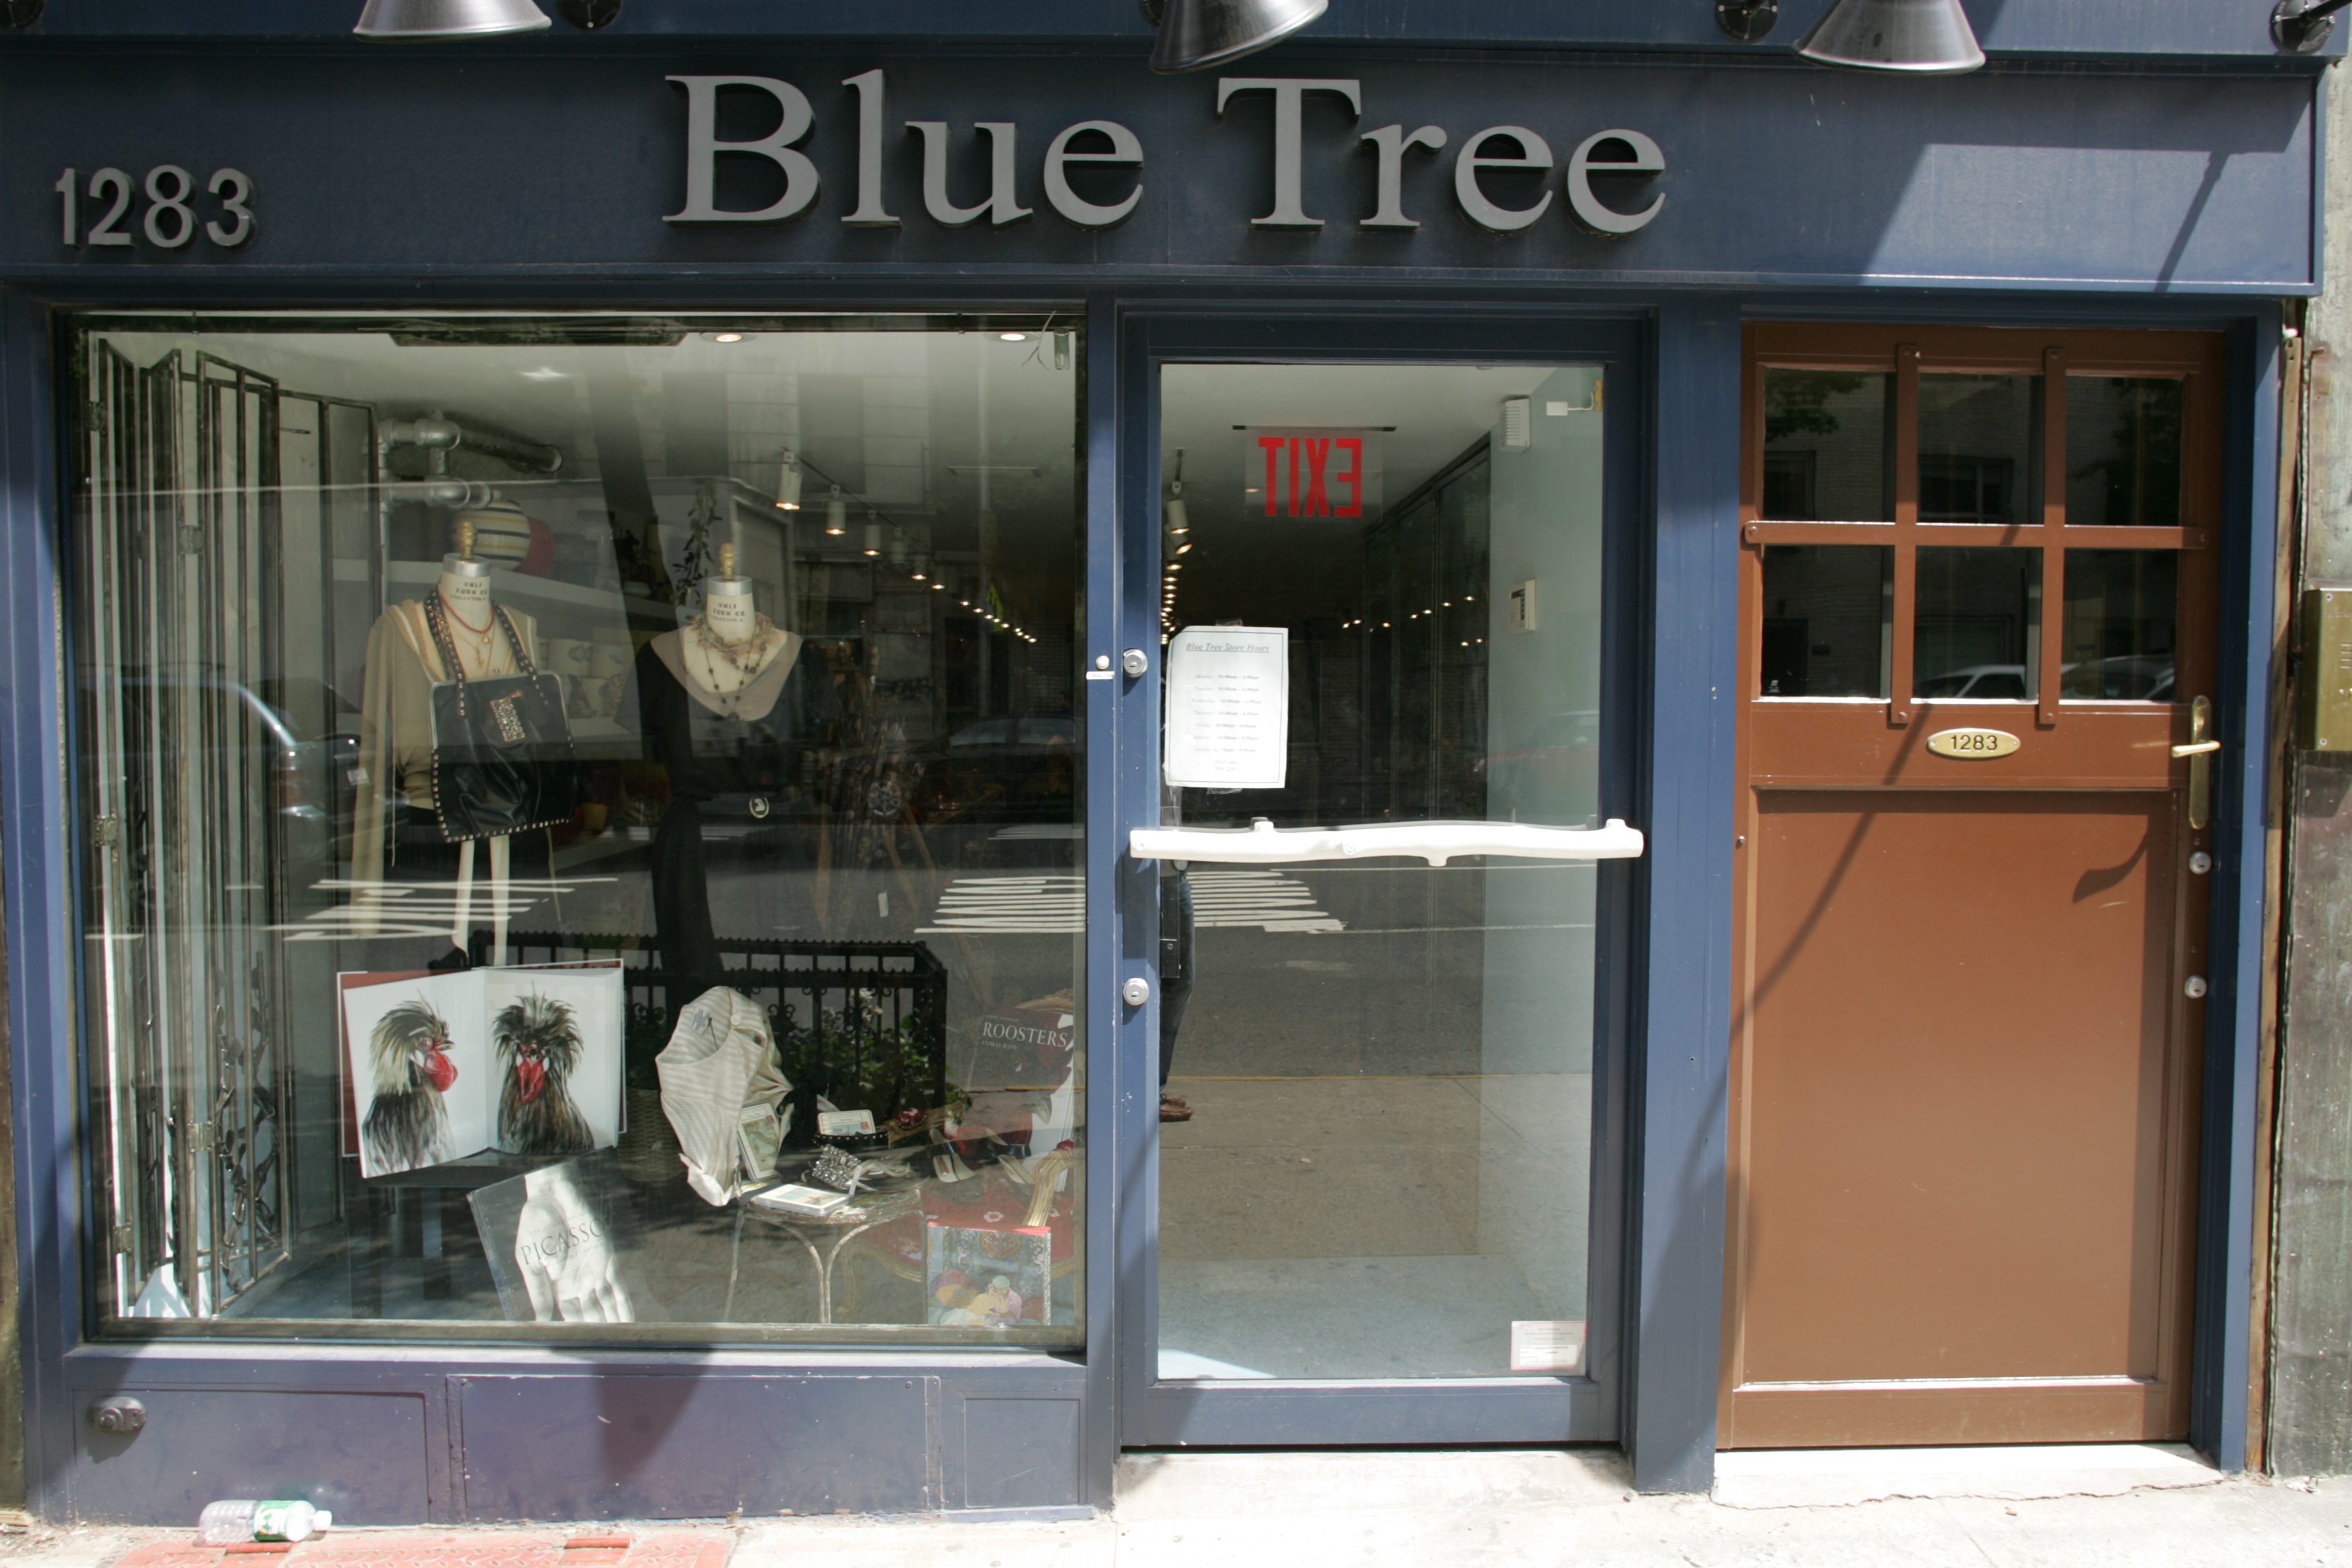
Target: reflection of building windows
[(1956, 488), (1788, 486)]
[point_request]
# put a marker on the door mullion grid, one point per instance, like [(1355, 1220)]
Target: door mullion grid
[(2053, 539), (1899, 681)]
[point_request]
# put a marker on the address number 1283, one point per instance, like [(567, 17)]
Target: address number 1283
[(170, 219)]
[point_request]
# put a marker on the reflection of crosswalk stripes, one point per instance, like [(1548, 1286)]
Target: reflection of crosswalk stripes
[(1010, 904), (1266, 901), (422, 909)]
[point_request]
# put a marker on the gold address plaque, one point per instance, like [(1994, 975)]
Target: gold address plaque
[(1972, 745)]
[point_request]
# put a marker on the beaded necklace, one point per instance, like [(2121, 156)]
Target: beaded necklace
[(746, 654)]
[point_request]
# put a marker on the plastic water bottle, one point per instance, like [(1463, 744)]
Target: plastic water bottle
[(234, 1520)]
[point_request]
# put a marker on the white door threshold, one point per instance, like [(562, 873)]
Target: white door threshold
[(1815, 1478)]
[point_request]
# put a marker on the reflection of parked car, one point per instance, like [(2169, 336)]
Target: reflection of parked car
[(1556, 774), (255, 739), (2137, 677), (1014, 767), (1977, 682)]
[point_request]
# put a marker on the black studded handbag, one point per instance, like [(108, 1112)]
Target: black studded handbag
[(502, 756)]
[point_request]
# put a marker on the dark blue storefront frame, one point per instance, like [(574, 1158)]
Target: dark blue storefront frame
[(1678, 766)]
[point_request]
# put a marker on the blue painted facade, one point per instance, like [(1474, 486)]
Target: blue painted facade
[(2119, 165)]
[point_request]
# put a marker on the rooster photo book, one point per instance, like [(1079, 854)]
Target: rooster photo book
[(519, 1061)]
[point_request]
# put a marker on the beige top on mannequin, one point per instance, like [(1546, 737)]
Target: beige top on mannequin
[(397, 708)]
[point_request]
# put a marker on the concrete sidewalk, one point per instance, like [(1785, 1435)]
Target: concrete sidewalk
[(2148, 1507)]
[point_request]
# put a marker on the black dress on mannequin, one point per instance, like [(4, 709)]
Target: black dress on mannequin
[(732, 760)]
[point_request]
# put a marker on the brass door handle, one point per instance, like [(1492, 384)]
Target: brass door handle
[(2200, 751)]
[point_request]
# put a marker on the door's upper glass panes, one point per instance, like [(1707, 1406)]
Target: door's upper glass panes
[(2122, 622), (1827, 455), (755, 712), (1828, 620), (1380, 1164), (2122, 451), (1976, 631), (1980, 448)]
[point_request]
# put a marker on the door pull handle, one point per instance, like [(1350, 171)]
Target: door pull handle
[(1263, 844), (2200, 751)]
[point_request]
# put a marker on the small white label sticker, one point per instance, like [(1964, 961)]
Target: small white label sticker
[(1521, 615), (845, 1123), (1547, 1346)]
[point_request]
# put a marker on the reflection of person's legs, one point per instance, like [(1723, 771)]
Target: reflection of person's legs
[(1175, 981)]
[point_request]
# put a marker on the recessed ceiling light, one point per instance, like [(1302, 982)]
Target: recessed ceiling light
[(1013, 337), (726, 337), (546, 373)]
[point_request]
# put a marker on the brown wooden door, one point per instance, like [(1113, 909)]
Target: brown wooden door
[(1966, 1038)]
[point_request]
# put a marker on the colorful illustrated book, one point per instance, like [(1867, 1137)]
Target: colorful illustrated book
[(982, 1278), (522, 1060)]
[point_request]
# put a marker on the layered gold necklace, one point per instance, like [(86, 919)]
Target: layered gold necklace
[(479, 637), (745, 654)]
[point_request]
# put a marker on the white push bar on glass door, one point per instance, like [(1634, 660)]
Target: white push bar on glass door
[(1263, 844)]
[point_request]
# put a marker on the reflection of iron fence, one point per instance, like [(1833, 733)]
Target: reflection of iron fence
[(864, 1024), (184, 507)]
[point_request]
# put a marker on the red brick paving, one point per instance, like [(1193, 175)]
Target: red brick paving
[(459, 1549)]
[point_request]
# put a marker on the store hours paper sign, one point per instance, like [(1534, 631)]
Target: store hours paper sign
[(1228, 707)]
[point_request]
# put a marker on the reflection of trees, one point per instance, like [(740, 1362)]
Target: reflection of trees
[(1796, 402), (2141, 469)]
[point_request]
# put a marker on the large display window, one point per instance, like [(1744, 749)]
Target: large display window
[(584, 820)]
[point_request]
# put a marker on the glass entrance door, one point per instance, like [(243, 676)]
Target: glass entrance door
[(1382, 835)]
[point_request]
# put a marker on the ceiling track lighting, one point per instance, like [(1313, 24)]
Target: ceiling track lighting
[(1912, 38), (2303, 30), (836, 513), (1197, 34), (1747, 20), (425, 21), (788, 482)]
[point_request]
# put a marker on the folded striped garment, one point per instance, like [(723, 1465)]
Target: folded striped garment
[(720, 1078)]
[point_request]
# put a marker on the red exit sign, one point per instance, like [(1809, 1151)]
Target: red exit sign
[(1316, 473)]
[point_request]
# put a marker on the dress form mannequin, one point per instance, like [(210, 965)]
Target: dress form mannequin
[(727, 708), (395, 825)]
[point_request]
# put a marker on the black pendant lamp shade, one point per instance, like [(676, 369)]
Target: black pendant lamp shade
[(2302, 27), (1196, 33), (419, 21), (1924, 37)]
